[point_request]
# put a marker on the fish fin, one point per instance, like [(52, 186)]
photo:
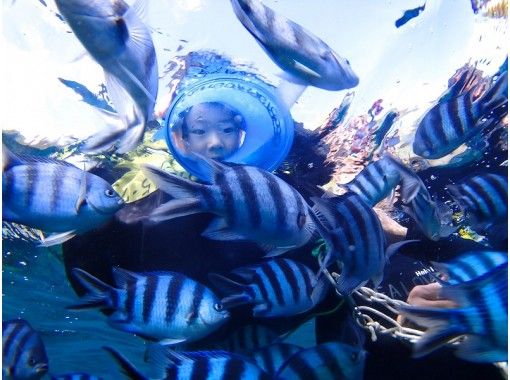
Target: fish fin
[(123, 277), (260, 310), (290, 91), (137, 82), (9, 159), (219, 230), (276, 251), (246, 273), (235, 300), (190, 316), (82, 195), (55, 239), (207, 166), (410, 188), (129, 369), (120, 97), (320, 289), (172, 184), (171, 341), (495, 96), (477, 349), (175, 209), (97, 290), (225, 284), (139, 7), (323, 211)]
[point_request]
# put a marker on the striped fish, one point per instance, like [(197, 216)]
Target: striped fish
[(249, 338), (272, 357), (452, 122), (295, 50), (470, 266), (379, 178), (251, 204), (76, 376), (277, 288), (484, 199), (55, 196), (122, 44), (482, 315), (197, 365), (23, 353), (433, 218), (166, 306), (323, 362), (354, 236)]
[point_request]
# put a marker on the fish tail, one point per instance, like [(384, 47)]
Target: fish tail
[(494, 96), (129, 369), (99, 293), (441, 327)]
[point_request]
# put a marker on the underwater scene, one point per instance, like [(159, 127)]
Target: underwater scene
[(255, 189)]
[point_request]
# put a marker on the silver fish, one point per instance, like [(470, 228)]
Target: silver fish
[(55, 196), (307, 58), (114, 35)]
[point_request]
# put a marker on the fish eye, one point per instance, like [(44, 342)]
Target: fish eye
[(218, 307), (347, 61), (31, 361), (109, 193), (301, 219)]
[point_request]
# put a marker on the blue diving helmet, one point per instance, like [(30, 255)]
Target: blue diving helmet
[(229, 117)]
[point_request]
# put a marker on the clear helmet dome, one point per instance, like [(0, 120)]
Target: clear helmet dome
[(230, 118)]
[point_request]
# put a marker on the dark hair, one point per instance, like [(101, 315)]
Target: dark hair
[(218, 105)]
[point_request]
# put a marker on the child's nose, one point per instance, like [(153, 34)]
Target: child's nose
[(215, 141)]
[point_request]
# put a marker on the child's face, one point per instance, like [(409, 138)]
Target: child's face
[(212, 131)]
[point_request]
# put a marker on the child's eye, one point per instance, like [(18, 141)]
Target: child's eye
[(197, 131), (229, 130)]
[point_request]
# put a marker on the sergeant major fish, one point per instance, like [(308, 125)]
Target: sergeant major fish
[(197, 365), (482, 316), (55, 196), (327, 361), (354, 236), (379, 179), (452, 122), (167, 306), (23, 353), (484, 199), (251, 204), (114, 35), (298, 52), (276, 288)]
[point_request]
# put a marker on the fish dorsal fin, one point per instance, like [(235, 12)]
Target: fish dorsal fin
[(207, 166), (10, 159), (122, 277), (82, 195)]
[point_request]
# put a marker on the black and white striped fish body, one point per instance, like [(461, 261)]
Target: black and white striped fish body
[(251, 204), (481, 315), (327, 361), (23, 352), (197, 365), (272, 357), (276, 288), (470, 265), (483, 198), (380, 178), (249, 338), (166, 306), (452, 122), (75, 376), (354, 236), (305, 57), (55, 196)]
